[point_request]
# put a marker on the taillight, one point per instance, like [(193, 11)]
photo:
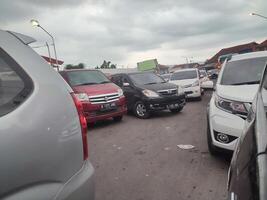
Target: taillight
[(83, 123)]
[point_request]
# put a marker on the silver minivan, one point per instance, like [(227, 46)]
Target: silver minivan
[(43, 133)]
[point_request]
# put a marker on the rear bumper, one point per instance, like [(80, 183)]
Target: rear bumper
[(93, 112), (80, 186), (162, 103)]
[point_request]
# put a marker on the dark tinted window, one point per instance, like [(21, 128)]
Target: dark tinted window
[(84, 77), (146, 78), (243, 72), (184, 75), (15, 85)]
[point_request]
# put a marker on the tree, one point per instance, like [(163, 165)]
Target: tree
[(79, 66), (107, 65)]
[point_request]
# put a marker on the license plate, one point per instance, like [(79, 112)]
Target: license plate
[(108, 106)]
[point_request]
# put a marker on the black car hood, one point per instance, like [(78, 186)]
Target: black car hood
[(158, 86)]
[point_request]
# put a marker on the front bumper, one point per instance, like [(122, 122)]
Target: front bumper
[(225, 123), (163, 102), (192, 92), (93, 112)]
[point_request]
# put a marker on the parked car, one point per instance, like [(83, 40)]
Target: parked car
[(205, 82), (189, 80), (147, 92), (166, 77), (235, 90), (213, 73), (43, 134), (101, 99), (247, 177)]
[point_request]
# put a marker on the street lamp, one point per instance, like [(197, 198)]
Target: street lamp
[(35, 23), (255, 14)]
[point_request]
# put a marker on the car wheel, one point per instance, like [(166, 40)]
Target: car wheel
[(118, 118), (140, 110), (176, 110), (212, 149)]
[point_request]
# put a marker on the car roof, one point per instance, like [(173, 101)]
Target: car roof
[(257, 54), (76, 70), (129, 73)]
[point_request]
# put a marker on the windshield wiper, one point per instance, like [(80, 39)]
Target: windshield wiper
[(151, 83), (247, 83), (86, 84), (104, 82)]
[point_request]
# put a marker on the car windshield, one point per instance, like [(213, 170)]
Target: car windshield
[(184, 75), (243, 72), (146, 78), (84, 77)]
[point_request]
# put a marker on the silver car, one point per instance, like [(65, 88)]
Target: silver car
[(43, 134)]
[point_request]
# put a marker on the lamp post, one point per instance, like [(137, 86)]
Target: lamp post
[(255, 14), (35, 23)]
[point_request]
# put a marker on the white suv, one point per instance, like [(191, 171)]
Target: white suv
[(236, 88), (189, 80)]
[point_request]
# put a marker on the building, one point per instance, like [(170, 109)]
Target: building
[(262, 46)]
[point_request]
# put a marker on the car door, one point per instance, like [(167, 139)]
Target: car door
[(129, 91)]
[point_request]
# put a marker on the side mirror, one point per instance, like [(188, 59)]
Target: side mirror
[(126, 84), (207, 85)]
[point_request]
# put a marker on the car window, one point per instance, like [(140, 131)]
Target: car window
[(264, 90), (146, 78), (88, 77), (184, 75), (247, 71), (15, 84)]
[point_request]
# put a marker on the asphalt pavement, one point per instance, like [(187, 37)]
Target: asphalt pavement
[(139, 159)]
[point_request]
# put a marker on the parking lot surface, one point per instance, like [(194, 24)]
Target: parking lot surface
[(139, 159)]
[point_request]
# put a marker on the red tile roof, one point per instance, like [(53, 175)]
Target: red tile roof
[(234, 49), (53, 61)]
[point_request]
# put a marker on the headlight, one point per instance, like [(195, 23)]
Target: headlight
[(196, 83), (150, 93), (233, 107), (82, 96), (120, 92)]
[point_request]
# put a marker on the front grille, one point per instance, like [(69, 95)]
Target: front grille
[(169, 92), (105, 98)]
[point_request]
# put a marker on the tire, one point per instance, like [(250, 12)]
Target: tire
[(176, 110), (118, 118), (140, 110), (212, 149)]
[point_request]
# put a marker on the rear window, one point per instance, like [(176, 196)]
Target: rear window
[(182, 75), (83, 77), (15, 84)]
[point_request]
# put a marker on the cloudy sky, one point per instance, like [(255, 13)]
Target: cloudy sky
[(128, 31)]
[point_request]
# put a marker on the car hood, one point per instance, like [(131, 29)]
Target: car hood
[(97, 89), (183, 82), (158, 86), (242, 93)]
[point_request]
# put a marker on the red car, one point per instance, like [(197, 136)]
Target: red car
[(101, 99)]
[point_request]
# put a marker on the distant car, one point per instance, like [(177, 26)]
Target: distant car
[(189, 80), (101, 99), (247, 176), (147, 92), (213, 73), (235, 90), (43, 132), (205, 82), (166, 77)]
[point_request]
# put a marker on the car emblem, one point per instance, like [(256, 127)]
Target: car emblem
[(106, 99), (169, 91)]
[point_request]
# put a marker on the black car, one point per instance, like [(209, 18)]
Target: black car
[(146, 92), (247, 178)]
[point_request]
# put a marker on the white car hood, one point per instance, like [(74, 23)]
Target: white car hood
[(242, 93), (183, 82)]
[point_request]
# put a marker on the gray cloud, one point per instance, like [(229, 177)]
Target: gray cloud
[(121, 31)]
